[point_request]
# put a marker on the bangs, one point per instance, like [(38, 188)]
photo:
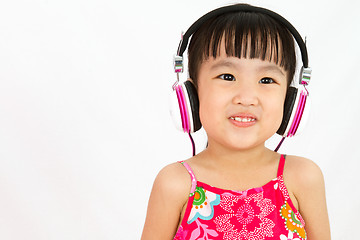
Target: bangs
[(245, 35)]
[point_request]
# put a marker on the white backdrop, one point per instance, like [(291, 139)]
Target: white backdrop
[(84, 120)]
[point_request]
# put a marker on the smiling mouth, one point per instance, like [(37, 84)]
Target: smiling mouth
[(243, 119)]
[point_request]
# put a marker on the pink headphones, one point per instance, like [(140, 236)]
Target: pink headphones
[(186, 112)]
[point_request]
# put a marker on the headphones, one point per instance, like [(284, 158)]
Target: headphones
[(185, 98)]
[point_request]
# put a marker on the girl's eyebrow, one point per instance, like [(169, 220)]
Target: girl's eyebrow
[(272, 68)]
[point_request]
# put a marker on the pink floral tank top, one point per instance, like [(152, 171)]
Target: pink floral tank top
[(260, 213)]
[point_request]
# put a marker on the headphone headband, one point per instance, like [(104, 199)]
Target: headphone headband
[(244, 8)]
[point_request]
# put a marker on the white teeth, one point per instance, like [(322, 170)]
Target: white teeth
[(239, 119)]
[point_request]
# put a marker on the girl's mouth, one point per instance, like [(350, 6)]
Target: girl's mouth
[(243, 119)]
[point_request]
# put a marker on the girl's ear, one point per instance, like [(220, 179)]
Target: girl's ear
[(193, 83)]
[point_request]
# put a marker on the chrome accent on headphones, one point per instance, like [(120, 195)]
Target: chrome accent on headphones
[(305, 75), (179, 68), (178, 64)]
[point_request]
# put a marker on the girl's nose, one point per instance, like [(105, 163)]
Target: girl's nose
[(245, 94)]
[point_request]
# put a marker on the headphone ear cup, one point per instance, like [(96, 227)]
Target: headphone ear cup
[(289, 103), (193, 101), (177, 108)]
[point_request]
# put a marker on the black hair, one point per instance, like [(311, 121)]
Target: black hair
[(246, 35)]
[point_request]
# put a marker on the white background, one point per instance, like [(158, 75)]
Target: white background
[(84, 119)]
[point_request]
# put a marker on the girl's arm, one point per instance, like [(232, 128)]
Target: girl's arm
[(169, 195), (310, 194)]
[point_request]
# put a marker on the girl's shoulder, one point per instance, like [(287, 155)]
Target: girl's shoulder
[(302, 174), (305, 180), (301, 168), (173, 180), (168, 196), (173, 174)]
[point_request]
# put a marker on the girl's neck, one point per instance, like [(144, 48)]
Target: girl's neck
[(230, 158)]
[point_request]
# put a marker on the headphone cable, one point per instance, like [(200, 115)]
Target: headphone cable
[(279, 145), (192, 143)]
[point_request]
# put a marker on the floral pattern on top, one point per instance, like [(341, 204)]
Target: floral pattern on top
[(290, 236), (261, 213), (247, 218), (180, 234), (203, 205), (292, 222)]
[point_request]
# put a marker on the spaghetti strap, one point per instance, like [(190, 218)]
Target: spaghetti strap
[(193, 179), (281, 165)]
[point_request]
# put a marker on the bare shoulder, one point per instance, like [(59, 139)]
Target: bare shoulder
[(305, 181), (175, 179), (302, 171), (168, 196)]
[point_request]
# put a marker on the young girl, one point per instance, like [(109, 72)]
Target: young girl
[(241, 62)]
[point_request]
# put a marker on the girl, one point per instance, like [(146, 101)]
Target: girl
[(241, 62)]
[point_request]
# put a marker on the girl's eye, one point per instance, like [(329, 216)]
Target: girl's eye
[(266, 80), (227, 77)]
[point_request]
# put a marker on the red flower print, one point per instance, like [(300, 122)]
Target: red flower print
[(247, 218)]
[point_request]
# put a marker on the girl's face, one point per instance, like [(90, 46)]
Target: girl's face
[(241, 100)]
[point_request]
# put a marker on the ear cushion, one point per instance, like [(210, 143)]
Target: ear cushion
[(194, 105), (290, 100)]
